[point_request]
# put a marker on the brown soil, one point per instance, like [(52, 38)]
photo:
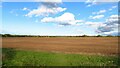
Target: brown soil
[(88, 45)]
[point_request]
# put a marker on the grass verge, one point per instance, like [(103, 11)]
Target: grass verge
[(12, 57)]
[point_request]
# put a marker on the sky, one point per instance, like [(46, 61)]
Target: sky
[(59, 18)]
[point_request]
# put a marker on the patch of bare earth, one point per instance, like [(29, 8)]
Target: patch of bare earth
[(88, 45)]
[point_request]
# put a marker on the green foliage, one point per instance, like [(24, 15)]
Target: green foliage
[(109, 36), (99, 36), (84, 36), (10, 35), (6, 35), (32, 58)]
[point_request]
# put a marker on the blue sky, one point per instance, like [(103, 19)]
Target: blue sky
[(60, 18)]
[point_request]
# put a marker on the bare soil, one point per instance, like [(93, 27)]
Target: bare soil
[(85, 45)]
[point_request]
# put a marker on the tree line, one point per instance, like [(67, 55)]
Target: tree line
[(10, 35)]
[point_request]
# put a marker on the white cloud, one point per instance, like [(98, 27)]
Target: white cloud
[(111, 32), (96, 17), (91, 3), (57, 1), (110, 26), (65, 19), (24, 9), (94, 24), (113, 18), (99, 12), (87, 1), (46, 9), (112, 8)]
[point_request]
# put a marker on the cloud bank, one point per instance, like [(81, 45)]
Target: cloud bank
[(46, 9), (96, 17), (110, 26), (65, 19)]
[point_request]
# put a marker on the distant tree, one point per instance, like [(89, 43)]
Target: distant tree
[(109, 36), (7, 35), (0, 35), (98, 36), (84, 36)]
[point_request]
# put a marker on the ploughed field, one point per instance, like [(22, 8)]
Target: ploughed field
[(76, 45)]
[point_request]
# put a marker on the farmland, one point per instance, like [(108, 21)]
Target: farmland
[(60, 51)]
